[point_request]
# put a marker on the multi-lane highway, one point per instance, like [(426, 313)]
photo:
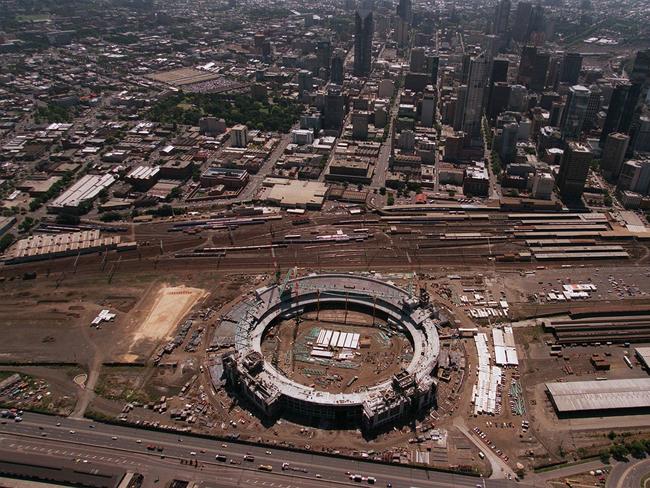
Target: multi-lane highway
[(104, 444)]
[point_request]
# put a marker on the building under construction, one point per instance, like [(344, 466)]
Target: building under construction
[(398, 398)]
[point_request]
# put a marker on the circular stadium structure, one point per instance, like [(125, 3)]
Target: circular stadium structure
[(274, 394)]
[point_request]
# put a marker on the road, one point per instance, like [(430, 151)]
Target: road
[(118, 445), (500, 468), (628, 475)]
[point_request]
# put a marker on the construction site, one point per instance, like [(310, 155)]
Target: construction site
[(429, 336), (397, 398)]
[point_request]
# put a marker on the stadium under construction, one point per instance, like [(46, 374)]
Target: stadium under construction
[(398, 398)]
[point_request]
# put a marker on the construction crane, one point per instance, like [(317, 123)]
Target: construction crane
[(290, 274)]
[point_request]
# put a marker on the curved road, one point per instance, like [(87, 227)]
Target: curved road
[(629, 475)]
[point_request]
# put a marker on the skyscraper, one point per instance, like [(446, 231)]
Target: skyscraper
[(617, 104), (324, 53), (336, 69), (418, 60), (575, 111), (363, 32), (433, 61), (574, 170), (405, 10), (640, 79), (428, 114), (476, 86), (571, 66), (334, 108), (501, 17), (499, 70), (522, 20), (613, 155), (533, 67), (404, 18), (526, 65), (540, 69)]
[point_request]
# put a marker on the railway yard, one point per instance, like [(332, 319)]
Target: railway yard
[(519, 301)]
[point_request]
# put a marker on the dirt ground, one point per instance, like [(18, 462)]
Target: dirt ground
[(384, 356), (171, 303)]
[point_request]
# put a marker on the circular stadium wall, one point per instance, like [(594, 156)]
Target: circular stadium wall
[(398, 398)]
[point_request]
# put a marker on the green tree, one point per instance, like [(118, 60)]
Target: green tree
[(6, 241)]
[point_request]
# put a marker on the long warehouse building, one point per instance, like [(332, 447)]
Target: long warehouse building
[(595, 398)]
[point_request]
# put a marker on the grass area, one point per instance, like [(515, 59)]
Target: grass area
[(120, 383), (5, 374), (553, 467), (645, 481), (187, 108)]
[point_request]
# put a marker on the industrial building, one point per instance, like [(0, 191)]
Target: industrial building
[(407, 392), (46, 246), (298, 194), (82, 192), (576, 398)]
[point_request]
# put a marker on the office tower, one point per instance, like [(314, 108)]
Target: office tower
[(418, 60), (518, 101), (386, 88), (490, 46), (337, 67), (533, 67), (305, 82), (575, 110), (464, 73), (553, 76), (459, 111), (381, 115), (363, 32), (537, 26), (556, 112), (574, 169), (406, 140), (334, 108), (404, 18), (543, 184), (635, 176), (642, 136), (641, 72), (593, 107), (526, 65), (540, 69), (508, 142), (499, 70), (360, 124), (266, 50), (570, 69), (548, 98), (405, 10), (258, 41), (501, 17), (239, 135), (324, 53), (640, 80), (613, 155), (522, 20), (433, 61), (428, 114), (498, 100), (617, 103), (476, 87)]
